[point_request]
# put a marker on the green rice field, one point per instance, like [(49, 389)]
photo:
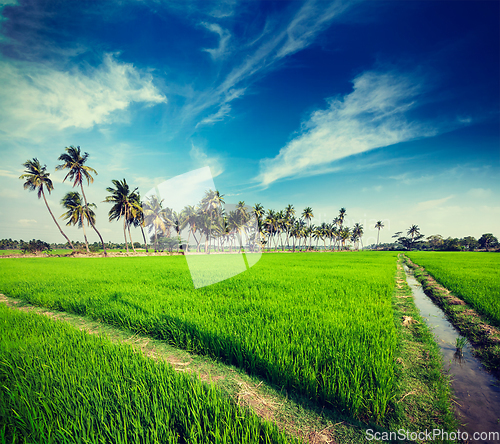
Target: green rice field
[(319, 324), (60, 385), (474, 277)]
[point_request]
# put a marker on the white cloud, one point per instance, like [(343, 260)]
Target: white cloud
[(35, 98), (479, 193), (224, 36), (307, 23), (371, 116), (7, 173), (312, 18), (27, 222), (431, 204), (223, 111), (376, 188), (201, 158)]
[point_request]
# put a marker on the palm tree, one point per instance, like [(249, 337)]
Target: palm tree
[(78, 171), (379, 225), (188, 217), (125, 205), (413, 231), (344, 234), (289, 220), (358, 232), (138, 219), (210, 204), (307, 214), (259, 213), (76, 213), (153, 216), (341, 217), (37, 179)]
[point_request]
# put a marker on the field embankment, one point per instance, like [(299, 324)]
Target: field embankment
[(467, 287)]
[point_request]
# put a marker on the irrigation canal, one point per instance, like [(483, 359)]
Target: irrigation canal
[(477, 392)]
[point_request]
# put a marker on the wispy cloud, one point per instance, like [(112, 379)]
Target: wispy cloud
[(7, 173), (36, 98), (431, 204), (373, 115), (479, 193), (273, 46), (27, 222), (407, 179), (202, 159), (223, 111), (224, 36)]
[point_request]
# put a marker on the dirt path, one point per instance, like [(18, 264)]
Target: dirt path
[(306, 422)]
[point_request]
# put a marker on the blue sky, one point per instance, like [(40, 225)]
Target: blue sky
[(389, 109)]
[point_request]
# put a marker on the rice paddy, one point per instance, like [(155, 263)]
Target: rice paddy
[(318, 324), (474, 277), (60, 385)]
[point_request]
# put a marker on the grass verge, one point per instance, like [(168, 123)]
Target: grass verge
[(484, 337)]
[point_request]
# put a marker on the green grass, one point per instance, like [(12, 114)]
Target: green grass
[(319, 324), (60, 385), (474, 277), (52, 252)]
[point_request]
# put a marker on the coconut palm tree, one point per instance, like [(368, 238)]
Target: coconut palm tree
[(413, 231), (37, 179), (188, 218), (76, 213), (210, 204), (125, 204), (341, 217), (138, 219), (379, 225), (153, 217), (358, 231), (78, 171), (307, 214), (344, 234)]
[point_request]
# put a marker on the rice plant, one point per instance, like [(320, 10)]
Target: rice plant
[(60, 385), (321, 325), (475, 277)]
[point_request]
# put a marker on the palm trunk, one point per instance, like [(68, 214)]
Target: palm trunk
[(144, 237), (55, 221), (85, 236), (124, 227), (130, 236), (156, 239), (378, 234), (91, 222)]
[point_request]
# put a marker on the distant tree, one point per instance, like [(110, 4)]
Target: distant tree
[(412, 240), (34, 246), (451, 244), (358, 232), (379, 225), (435, 241), (469, 243), (488, 241), (307, 214)]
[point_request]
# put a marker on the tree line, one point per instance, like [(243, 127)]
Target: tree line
[(212, 226), (208, 223), (415, 240)]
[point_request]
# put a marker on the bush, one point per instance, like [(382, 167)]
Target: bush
[(34, 246)]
